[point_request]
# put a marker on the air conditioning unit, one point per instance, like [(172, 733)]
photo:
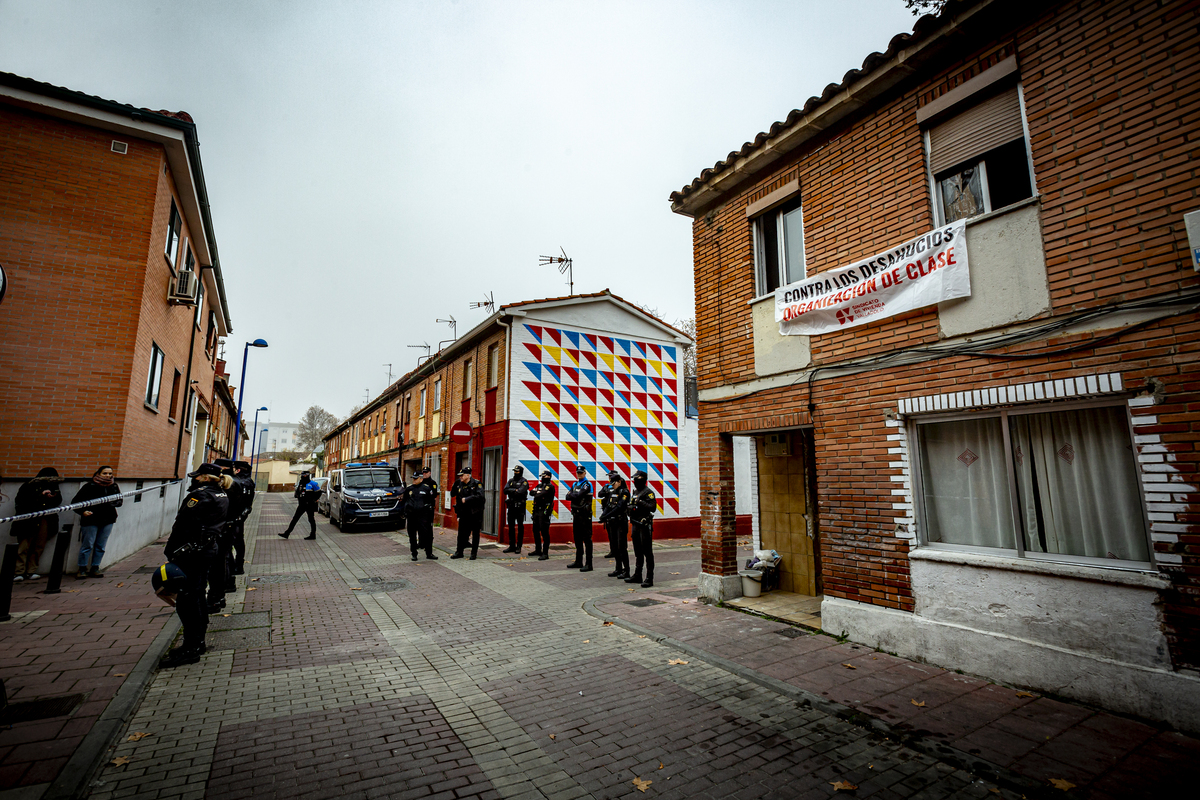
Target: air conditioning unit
[(777, 444), (183, 288)]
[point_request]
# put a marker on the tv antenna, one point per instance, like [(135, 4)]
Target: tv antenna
[(489, 304), (424, 347), (453, 323), (565, 265), (389, 366)]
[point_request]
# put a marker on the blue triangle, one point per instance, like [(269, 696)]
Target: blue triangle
[(640, 380), (572, 429), (534, 369), (623, 432), (591, 342), (534, 333), (573, 337), (532, 467), (669, 351), (624, 344), (674, 434), (641, 349)]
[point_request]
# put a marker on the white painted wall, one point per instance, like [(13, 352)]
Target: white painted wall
[(1083, 632), (137, 525)]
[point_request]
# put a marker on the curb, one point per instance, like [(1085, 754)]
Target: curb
[(805, 699), (74, 780)]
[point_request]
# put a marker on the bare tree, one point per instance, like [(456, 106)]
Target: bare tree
[(688, 326), (314, 425), (919, 7)]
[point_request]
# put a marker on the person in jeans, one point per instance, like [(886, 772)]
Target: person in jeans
[(38, 494), (96, 522)]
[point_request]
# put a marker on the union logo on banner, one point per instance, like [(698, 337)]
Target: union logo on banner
[(927, 270)]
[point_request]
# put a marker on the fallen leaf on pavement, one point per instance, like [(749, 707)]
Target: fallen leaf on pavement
[(356, 588), (587, 641), (225, 615), (994, 790), (842, 786), (685, 602), (254, 579), (849, 666), (641, 636), (677, 661), (641, 784), (608, 622), (120, 674), (134, 737), (674, 573), (552, 736), (120, 761), (1059, 783), (119, 585), (629, 590), (1025, 694), (660, 765), (918, 705)]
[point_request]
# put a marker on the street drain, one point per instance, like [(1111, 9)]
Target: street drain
[(376, 585), (793, 633), (281, 579), (145, 570), (240, 639), (562, 547), (252, 619), (643, 602), (43, 708)]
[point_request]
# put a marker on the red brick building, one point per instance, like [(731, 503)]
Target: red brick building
[(115, 303), (1003, 482)]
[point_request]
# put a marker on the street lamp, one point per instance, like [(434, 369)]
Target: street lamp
[(254, 455), (237, 437)]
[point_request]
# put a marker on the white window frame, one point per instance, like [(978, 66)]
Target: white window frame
[(1018, 550), (468, 379), (493, 377), (174, 235), (422, 402), (776, 215), (154, 377), (437, 395), (939, 212)]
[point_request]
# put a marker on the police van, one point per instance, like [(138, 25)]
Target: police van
[(361, 493)]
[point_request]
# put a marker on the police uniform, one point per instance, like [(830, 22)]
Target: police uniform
[(192, 546), (243, 478), (580, 498), (614, 505), (419, 500), (516, 491), (643, 504), (544, 494), (468, 506), (308, 493), (220, 571)]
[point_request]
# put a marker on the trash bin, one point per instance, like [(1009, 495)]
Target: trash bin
[(751, 582)]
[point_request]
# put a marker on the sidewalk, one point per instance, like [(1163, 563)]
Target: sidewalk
[(1021, 738), (92, 648)]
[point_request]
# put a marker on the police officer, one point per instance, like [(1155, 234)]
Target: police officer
[(468, 505), (192, 547), (309, 492), (580, 498), (515, 493), (419, 499), (220, 572), (543, 506), (242, 476), (643, 504), (614, 508)]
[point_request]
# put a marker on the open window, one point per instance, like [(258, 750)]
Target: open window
[(979, 157), (779, 247)]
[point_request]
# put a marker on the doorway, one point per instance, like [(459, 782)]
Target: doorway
[(493, 472), (787, 508)]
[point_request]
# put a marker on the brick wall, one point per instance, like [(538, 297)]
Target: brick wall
[(1113, 102), (80, 227)]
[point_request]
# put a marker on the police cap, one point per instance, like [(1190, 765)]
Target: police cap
[(206, 469)]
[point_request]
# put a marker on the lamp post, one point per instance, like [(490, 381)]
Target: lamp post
[(242, 391), (254, 438)]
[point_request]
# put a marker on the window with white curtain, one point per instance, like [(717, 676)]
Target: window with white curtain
[(779, 247), (1057, 484)]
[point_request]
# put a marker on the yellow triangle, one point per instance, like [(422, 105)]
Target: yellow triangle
[(569, 450), (535, 408), (552, 447), (654, 418), (654, 365), (657, 450), (607, 358), (606, 415), (640, 414), (568, 360), (607, 449), (550, 412), (670, 371), (590, 411), (623, 364), (621, 449), (555, 353)]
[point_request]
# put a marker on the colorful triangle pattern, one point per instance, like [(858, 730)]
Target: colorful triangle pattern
[(603, 402)]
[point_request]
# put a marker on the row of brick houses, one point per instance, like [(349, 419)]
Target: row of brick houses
[(545, 384), (115, 305), (1003, 483)]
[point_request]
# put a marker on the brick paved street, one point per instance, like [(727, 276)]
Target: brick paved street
[(344, 669)]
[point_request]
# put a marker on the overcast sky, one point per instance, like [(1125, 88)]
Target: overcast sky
[(375, 166)]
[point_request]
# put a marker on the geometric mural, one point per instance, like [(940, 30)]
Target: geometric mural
[(601, 401)]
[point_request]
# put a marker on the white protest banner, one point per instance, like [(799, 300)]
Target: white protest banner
[(924, 271)]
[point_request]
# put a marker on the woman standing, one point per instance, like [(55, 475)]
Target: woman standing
[(96, 522), (38, 494)]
